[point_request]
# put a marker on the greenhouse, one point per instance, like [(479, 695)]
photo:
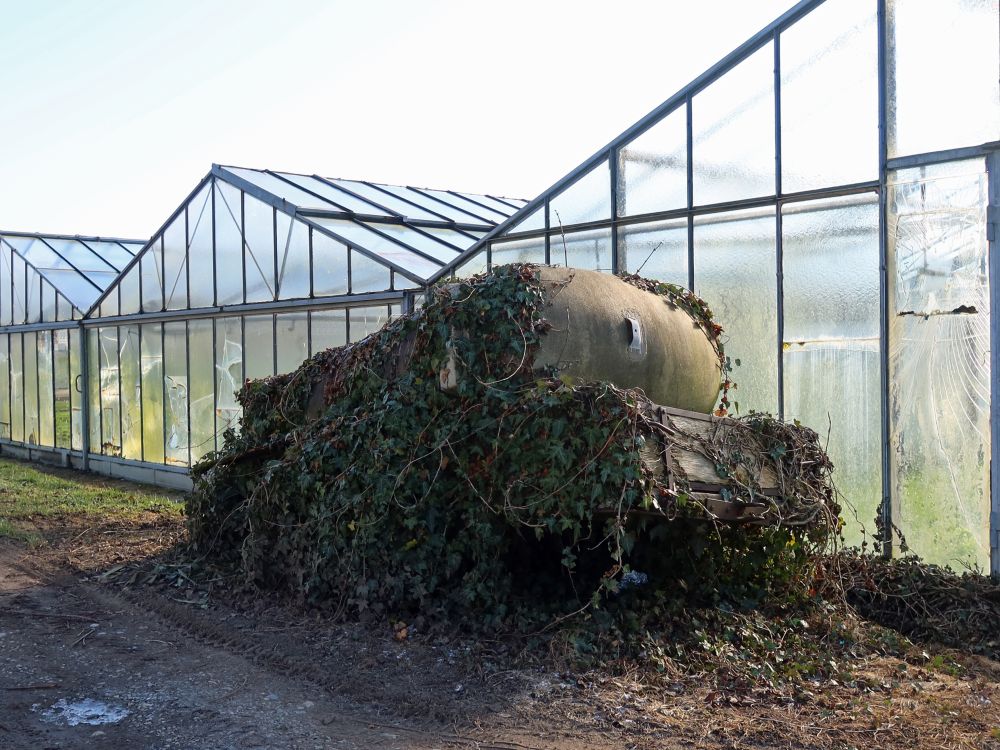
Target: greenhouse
[(831, 187), (255, 271)]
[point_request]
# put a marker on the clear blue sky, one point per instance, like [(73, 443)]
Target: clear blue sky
[(112, 110)]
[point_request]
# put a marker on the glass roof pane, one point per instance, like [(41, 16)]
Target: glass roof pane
[(102, 278), (829, 94), (117, 255), (416, 240), (332, 194), (280, 188), (733, 121), (461, 240), (361, 236), (79, 255), (450, 210), (73, 286), (389, 201), (37, 253), (493, 203), (466, 205)]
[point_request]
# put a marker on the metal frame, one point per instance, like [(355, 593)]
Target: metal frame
[(993, 237)]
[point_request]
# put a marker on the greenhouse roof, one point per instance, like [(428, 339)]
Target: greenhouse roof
[(417, 231), (79, 268)]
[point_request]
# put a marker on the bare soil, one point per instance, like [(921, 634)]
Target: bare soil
[(199, 669)]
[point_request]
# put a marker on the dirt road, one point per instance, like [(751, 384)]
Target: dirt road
[(94, 656), (85, 665)]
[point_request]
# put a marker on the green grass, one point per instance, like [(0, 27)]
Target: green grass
[(29, 493)]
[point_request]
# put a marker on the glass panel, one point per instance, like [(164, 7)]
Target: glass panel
[(653, 168), (61, 387), (656, 251), (175, 263), (48, 303), (175, 386), (587, 199), (328, 329), (228, 244), (338, 199), (46, 399), (130, 368), (733, 121), (109, 306), (367, 275), (530, 223), (362, 236), (32, 296), (76, 395), (735, 272), (31, 427), (480, 212), (366, 320), (447, 210), (152, 277), (117, 255), (110, 436), (258, 224), (201, 277), (75, 287), (17, 388), (517, 251), (943, 72), (258, 338), (831, 349), (829, 95), (292, 340), (476, 264), (152, 392), (329, 265), (387, 200), (202, 388), (5, 400), (423, 243), (495, 204), (453, 238), (589, 250), (940, 361), (280, 188), (5, 291), (94, 385), (228, 373), (293, 258), (18, 270), (128, 292)]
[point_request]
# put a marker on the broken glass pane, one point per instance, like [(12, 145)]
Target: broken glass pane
[(940, 361), (131, 391), (202, 393), (175, 386), (228, 372)]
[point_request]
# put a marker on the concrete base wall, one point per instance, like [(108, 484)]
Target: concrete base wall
[(174, 478)]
